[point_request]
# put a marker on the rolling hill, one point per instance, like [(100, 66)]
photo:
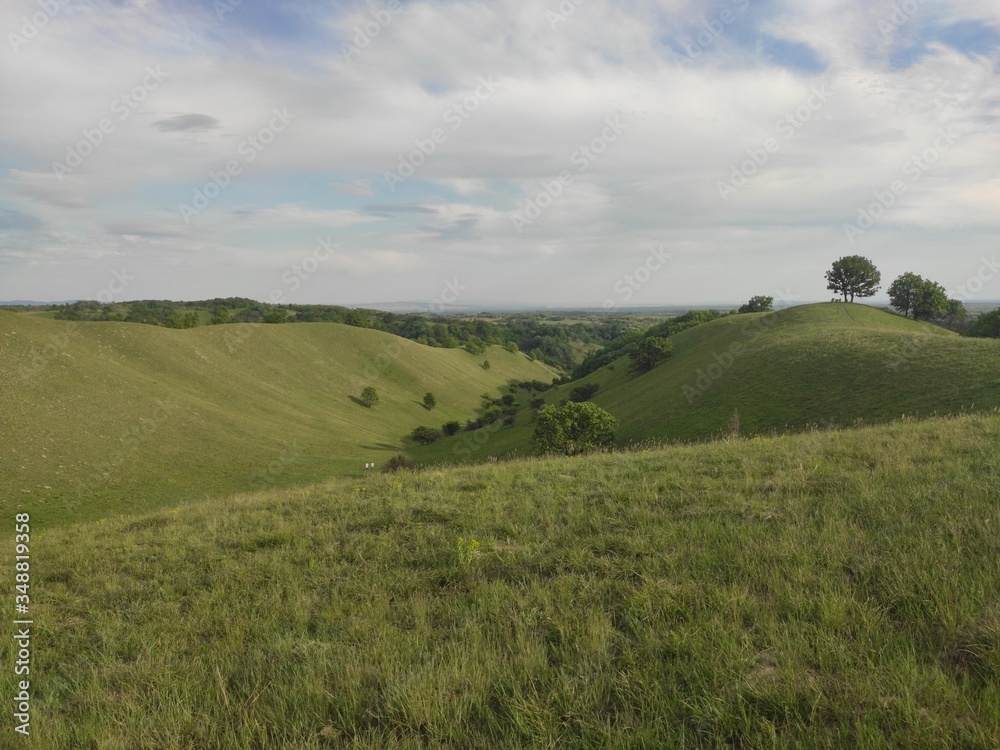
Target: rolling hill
[(102, 418), (825, 365), (823, 590)]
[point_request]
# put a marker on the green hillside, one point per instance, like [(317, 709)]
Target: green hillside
[(99, 418), (823, 590), (825, 365)]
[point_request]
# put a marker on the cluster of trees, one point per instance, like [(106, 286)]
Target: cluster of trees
[(151, 312), (856, 276), (503, 410), (495, 409), (757, 304), (986, 325), (926, 299), (89, 310)]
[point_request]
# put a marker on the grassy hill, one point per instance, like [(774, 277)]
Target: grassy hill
[(829, 589), (828, 365), (100, 418)]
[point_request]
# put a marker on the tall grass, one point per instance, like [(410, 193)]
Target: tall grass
[(831, 589)]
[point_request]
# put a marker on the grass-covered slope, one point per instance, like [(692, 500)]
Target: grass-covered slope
[(829, 589), (828, 365), (101, 418)]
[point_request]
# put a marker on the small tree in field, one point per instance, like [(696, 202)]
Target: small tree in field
[(425, 435), (429, 401), (756, 304), (369, 397), (649, 352), (573, 428), (853, 276), (486, 364)]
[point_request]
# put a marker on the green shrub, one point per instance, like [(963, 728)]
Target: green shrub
[(583, 392), (400, 462), (425, 435), (574, 428)]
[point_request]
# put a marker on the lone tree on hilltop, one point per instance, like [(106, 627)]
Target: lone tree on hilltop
[(369, 397), (573, 428), (853, 276), (760, 303), (429, 401), (903, 292), (649, 352)]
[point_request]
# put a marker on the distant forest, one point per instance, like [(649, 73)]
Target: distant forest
[(551, 338)]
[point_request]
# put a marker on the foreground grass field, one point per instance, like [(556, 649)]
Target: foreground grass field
[(830, 589), (831, 365), (101, 418)]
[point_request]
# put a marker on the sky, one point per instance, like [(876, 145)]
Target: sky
[(560, 153)]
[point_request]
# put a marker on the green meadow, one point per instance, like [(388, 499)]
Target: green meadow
[(106, 418), (826, 590)]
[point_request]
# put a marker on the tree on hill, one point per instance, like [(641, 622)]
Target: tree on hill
[(903, 292), (429, 401), (425, 435), (475, 345), (853, 276), (956, 318), (649, 352), (369, 397), (573, 428), (757, 304), (931, 302), (583, 392), (986, 326), (221, 316), (486, 364), (451, 428)]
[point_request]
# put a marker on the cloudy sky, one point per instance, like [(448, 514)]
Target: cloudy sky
[(540, 152)]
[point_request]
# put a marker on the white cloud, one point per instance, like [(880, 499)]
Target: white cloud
[(352, 121)]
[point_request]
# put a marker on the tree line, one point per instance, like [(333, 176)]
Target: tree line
[(552, 343)]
